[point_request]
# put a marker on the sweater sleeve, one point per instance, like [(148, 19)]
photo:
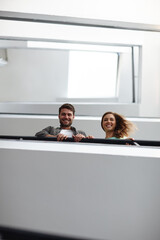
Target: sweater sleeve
[(81, 132), (45, 131)]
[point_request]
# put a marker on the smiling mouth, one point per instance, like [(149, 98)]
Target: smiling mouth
[(66, 122)]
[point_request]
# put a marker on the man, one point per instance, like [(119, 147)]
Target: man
[(66, 117)]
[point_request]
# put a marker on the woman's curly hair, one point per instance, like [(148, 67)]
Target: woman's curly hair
[(123, 126)]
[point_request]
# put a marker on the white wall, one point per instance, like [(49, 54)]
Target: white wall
[(28, 125), (139, 11), (150, 41), (150, 76), (126, 11), (42, 75), (34, 75), (121, 193), (149, 89), (84, 190)]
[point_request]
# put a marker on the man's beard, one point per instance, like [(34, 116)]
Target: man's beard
[(65, 125)]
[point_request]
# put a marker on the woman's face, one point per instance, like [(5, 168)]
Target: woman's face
[(109, 122)]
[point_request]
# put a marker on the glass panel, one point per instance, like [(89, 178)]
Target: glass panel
[(92, 74)]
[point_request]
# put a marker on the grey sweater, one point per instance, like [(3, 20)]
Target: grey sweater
[(55, 131)]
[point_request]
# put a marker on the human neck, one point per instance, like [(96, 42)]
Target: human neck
[(67, 128), (109, 134)]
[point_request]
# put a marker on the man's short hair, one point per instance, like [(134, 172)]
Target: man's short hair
[(68, 106)]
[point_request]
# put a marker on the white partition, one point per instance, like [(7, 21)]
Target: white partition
[(81, 189), (28, 125)]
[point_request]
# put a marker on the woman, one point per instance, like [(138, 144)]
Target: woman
[(116, 126)]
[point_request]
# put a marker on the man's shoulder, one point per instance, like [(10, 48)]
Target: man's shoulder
[(52, 129)]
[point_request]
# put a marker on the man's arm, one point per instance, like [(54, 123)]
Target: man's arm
[(46, 132), (50, 135), (51, 132)]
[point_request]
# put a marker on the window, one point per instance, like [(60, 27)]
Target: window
[(92, 74), (97, 72), (104, 75)]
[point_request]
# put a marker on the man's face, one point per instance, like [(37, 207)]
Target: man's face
[(66, 118)]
